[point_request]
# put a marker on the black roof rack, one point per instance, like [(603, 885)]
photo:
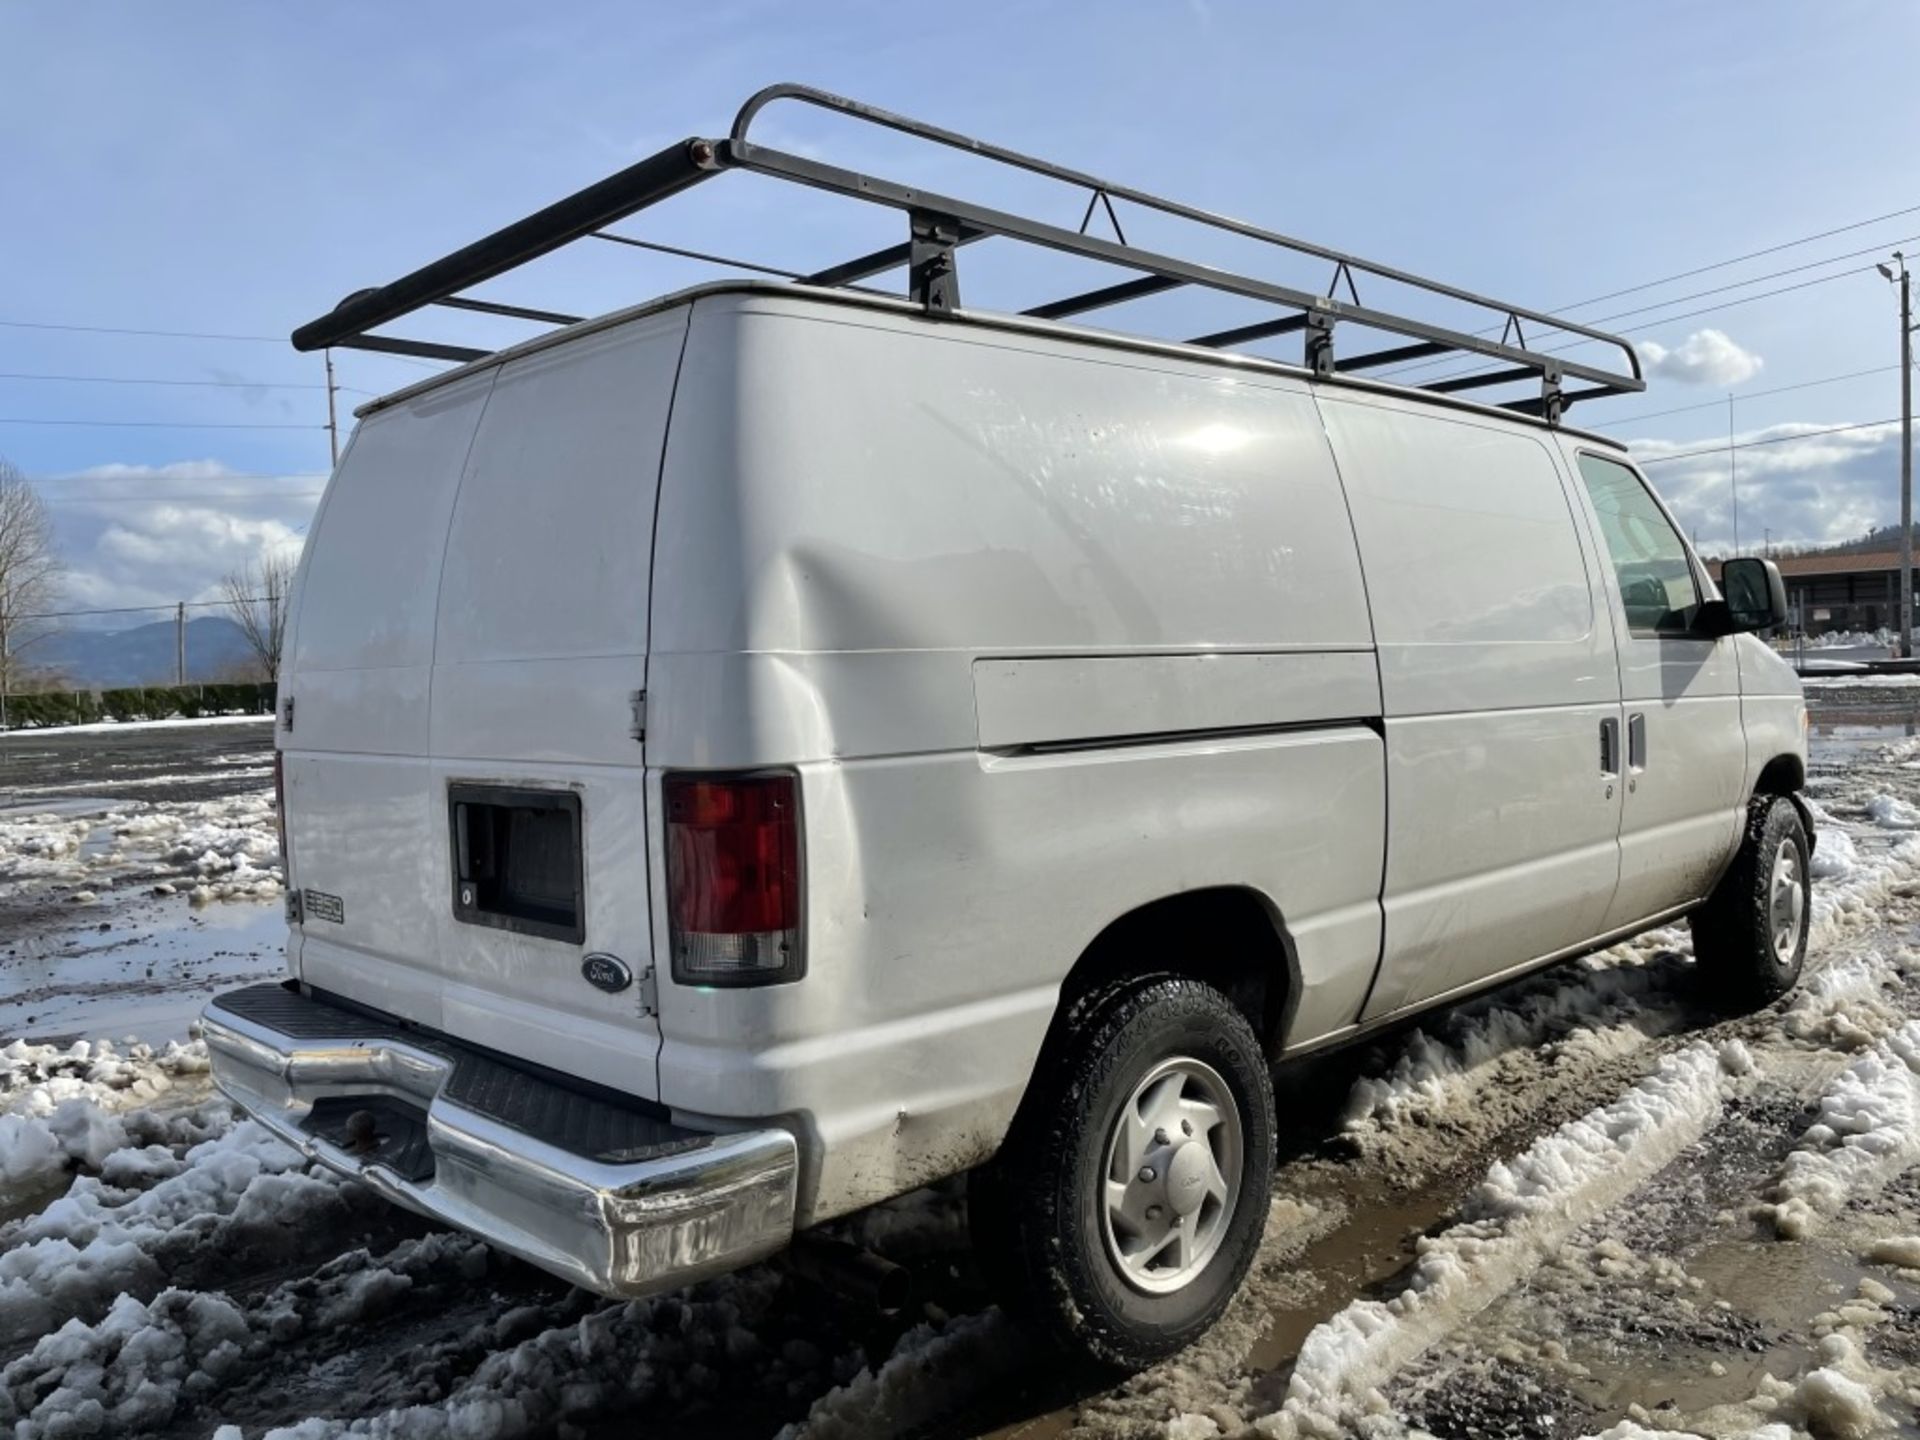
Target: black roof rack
[(939, 226)]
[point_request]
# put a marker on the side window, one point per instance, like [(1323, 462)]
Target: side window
[(1649, 560)]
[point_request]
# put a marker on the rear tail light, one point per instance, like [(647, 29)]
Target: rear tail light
[(733, 878)]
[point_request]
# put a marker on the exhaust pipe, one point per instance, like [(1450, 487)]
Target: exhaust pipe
[(851, 1273)]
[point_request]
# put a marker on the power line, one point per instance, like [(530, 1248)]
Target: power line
[(1751, 395), (1667, 319), (123, 330), (139, 609), (1757, 279), (1742, 259), (166, 424), (1700, 294), (195, 479), (155, 380), (254, 497), (1772, 440)]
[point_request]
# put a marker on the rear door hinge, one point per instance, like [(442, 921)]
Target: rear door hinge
[(293, 907), (638, 700), (648, 990), (286, 714)]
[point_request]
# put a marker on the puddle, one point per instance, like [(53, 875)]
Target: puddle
[(78, 807), (146, 976)]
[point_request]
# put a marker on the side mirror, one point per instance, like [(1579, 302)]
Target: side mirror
[(1756, 595)]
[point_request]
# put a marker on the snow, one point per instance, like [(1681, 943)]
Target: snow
[(1850, 639), (114, 727), (1900, 1250), (1862, 682), (1867, 1129), (1522, 1208), (58, 1104), (229, 848), (914, 1386)]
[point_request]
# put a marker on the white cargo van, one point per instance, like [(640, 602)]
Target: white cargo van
[(756, 753)]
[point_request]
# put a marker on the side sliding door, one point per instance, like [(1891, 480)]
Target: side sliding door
[(1501, 694)]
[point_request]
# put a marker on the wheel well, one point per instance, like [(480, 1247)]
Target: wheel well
[(1229, 937), (1781, 775)]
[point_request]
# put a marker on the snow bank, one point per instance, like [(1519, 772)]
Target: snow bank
[(127, 1374), (114, 727), (1867, 1131), (1850, 639), (1845, 1005), (930, 1367), (190, 1197), (1890, 812), (146, 1363), (228, 848), (1523, 1208), (1601, 1004), (1865, 682), (39, 847), (59, 1106)]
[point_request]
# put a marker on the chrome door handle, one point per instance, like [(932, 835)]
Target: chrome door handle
[(1610, 747), (1637, 742)]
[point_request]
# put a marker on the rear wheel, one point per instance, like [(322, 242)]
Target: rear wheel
[(1750, 938), (1127, 1204)]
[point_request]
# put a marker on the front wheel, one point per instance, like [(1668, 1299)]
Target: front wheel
[(1750, 938), (1127, 1204)]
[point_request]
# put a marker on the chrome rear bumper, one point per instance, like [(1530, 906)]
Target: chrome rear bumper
[(603, 1195)]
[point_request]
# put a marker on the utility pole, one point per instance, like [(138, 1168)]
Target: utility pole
[(1906, 450), (1733, 476), (333, 424), (180, 643)]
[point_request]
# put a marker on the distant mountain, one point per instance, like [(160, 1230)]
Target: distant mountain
[(217, 649)]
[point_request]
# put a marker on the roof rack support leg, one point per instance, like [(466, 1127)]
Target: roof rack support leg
[(1319, 342), (1553, 401), (932, 278)]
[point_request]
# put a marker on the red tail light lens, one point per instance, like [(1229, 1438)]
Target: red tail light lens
[(733, 878)]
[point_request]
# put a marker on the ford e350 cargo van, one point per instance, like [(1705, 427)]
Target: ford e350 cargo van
[(756, 753)]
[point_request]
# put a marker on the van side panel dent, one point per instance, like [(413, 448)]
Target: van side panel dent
[(863, 514)]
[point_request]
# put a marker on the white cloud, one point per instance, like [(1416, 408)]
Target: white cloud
[(154, 535), (1706, 357), (1806, 492)]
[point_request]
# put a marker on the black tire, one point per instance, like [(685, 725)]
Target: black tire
[(1742, 964), (1040, 1220)]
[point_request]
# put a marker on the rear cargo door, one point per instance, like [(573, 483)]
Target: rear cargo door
[(524, 925)]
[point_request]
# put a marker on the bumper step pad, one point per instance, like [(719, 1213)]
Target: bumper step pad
[(572, 1120), (609, 1195)]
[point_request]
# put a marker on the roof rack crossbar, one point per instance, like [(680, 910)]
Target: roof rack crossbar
[(723, 260), (891, 257), (512, 312), (1247, 334), (1373, 358), (938, 226), (1106, 295), (418, 349)]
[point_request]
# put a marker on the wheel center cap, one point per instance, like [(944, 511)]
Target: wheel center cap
[(1187, 1177)]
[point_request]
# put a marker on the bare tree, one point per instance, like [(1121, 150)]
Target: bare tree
[(29, 576), (257, 595)]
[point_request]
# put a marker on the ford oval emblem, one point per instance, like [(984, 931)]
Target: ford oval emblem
[(606, 972)]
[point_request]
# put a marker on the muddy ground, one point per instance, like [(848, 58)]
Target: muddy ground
[(220, 1284)]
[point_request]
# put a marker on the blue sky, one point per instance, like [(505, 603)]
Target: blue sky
[(236, 168)]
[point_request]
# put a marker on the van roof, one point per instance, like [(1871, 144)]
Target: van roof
[(1509, 338), (1109, 339)]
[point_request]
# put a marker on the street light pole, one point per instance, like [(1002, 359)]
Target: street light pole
[(1906, 462), (1906, 451)]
